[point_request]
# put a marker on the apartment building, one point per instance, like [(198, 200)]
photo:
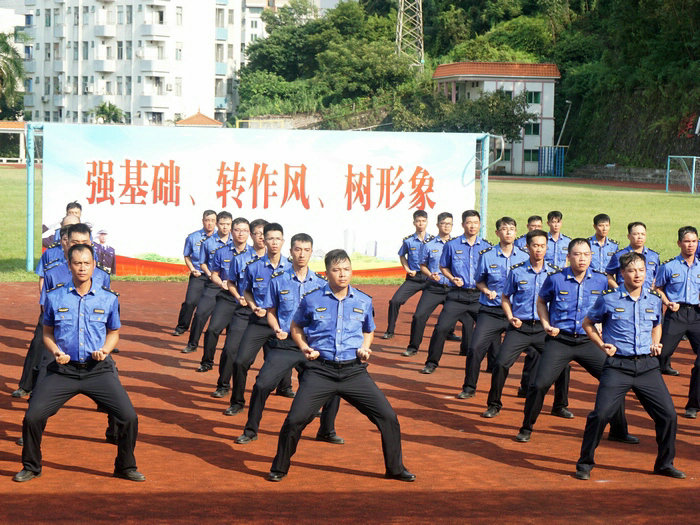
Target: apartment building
[(469, 79)]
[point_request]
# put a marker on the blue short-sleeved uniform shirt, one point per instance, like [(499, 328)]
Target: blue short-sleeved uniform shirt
[(236, 269), (493, 270), (209, 247), (432, 252), (523, 287), (334, 327), (557, 250), (80, 323), (627, 323), (223, 257), (680, 282), (60, 274), (601, 254), (462, 259), (412, 249), (193, 246), (52, 256), (257, 276), (569, 301), (521, 242), (286, 290), (651, 256)]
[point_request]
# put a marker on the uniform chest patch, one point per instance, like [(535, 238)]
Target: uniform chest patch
[(434, 251), (675, 275), (611, 253), (358, 310), (522, 282), (493, 266), (284, 292), (63, 309), (413, 247), (98, 311), (321, 309), (619, 309), (595, 292), (458, 251), (258, 279), (563, 292), (649, 310)]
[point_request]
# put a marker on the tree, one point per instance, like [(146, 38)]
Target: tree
[(11, 71), (109, 113)]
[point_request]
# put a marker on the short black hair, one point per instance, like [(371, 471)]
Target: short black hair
[(81, 227), (80, 248), (207, 213), (505, 220), (73, 205), (420, 213), (444, 215), (534, 233), (256, 224), (634, 225), (470, 213), (223, 215), (630, 257), (554, 214), (685, 230), (63, 231), (534, 218), (601, 217), (273, 227), (301, 237), (240, 220), (334, 257), (577, 241)]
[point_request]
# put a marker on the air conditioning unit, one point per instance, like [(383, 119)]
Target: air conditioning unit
[(139, 53), (168, 87), (68, 89), (45, 99)]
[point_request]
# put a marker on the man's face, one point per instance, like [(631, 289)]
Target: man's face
[(421, 223), (102, 237), (634, 275), (241, 232), (273, 242), (445, 227), (602, 229), (534, 225), (64, 243), (76, 212), (209, 223), (78, 238), (258, 238), (471, 226), (301, 253), (224, 226), (537, 248), (580, 258), (82, 265), (554, 225), (688, 244), (637, 237), (506, 233), (339, 274)]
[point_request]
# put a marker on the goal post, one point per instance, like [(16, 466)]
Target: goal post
[(682, 170)]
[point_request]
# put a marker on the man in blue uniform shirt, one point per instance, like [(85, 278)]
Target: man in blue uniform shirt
[(491, 275), (602, 247), (534, 222), (410, 254), (197, 280), (458, 263), (637, 235), (678, 283), (557, 242), (563, 301), (519, 303), (334, 327), (283, 296), (630, 342), (81, 328)]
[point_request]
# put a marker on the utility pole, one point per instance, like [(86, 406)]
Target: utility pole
[(409, 32)]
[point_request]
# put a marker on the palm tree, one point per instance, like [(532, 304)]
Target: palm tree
[(109, 113), (11, 70)]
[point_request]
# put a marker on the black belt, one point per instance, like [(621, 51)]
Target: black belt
[(339, 364), (572, 335), (688, 305), (79, 364), (633, 357), (530, 322)]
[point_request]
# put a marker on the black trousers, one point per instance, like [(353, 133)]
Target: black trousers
[(433, 296), (205, 307), (462, 305), (32, 360), (490, 325), (256, 335), (281, 358), (100, 382), (319, 383), (195, 286), (643, 377), (528, 338), (558, 352), (234, 334), (686, 321), (410, 287)]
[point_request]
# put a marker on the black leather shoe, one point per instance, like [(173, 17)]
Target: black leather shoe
[(244, 440), (629, 439), (563, 412), (233, 410), (453, 337), (286, 392), (670, 371), (467, 393), (491, 412), (388, 335), (115, 351), (330, 438), (131, 475), (522, 392), (691, 413), (523, 436), (428, 369), (670, 472), (582, 474), (189, 349), (276, 476), (409, 352), (25, 475), (404, 475), (204, 368), (178, 331), (20, 392)]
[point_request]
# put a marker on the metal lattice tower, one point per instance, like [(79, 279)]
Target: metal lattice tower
[(409, 32)]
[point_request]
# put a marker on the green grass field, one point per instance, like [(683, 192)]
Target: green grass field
[(662, 212)]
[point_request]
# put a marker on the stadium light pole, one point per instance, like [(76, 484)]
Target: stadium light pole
[(561, 131)]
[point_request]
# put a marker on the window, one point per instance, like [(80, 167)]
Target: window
[(76, 16), (532, 155), (29, 20), (85, 50), (120, 50), (47, 116), (509, 94), (75, 116), (532, 128), (29, 85), (219, 88), (56, 51), (127, 86), (86, 14), (229, 86), (84, 84), (108, 88), (254, 24), (506, 155), (242, 47), (57, 20), (178, 51), (178, 86), (230, 16), (178, 15), (130, 14), (75, 85), (219, 18), (475, 84), (230, 52), (219, 52), (27, 52), (56, 116), (47, 52), (47, 17), (127, 117), (76, 51), (161, 52), (253, 37), (129, 50), (533, 97), (85, 117), (160, 17), (109, 52), (56, 86), (120, 14)]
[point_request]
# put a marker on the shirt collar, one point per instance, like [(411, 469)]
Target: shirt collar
[(569, 274), (681, 260), (327, 291), (72, 289), (463, 239)]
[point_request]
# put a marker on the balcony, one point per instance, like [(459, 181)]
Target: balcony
[(105, 31), (151, 67), (59, 31), (30, 66), (153, 101), (220, 102), (59, 66), (30, 32), (221, 2), (221, 33), (60, 101), (105, 66), (155, 31), (221, 68), (106, 1), (28, 101)]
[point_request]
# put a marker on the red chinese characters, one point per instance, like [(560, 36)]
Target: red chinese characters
[(389, 194)]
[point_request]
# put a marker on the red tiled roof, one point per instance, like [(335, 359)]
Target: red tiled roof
[(198, 119), (11, 124), (497, 69)]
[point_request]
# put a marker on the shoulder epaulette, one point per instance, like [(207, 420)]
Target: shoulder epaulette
[(558, 270), (523, 249), (241, 253), (322, 277), (521, 236), (654, 292), (223, 246), (53, 245), (485, 250), (609, 290), (598, 271), (618, 251), (276, 273), (110, 291), (311, 291), (518, 265), (428, 238), (252, 260), (613, 241), (409, 236), (653, 251), (488, 242), (363, 293), (55, 287), (668, 260)]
